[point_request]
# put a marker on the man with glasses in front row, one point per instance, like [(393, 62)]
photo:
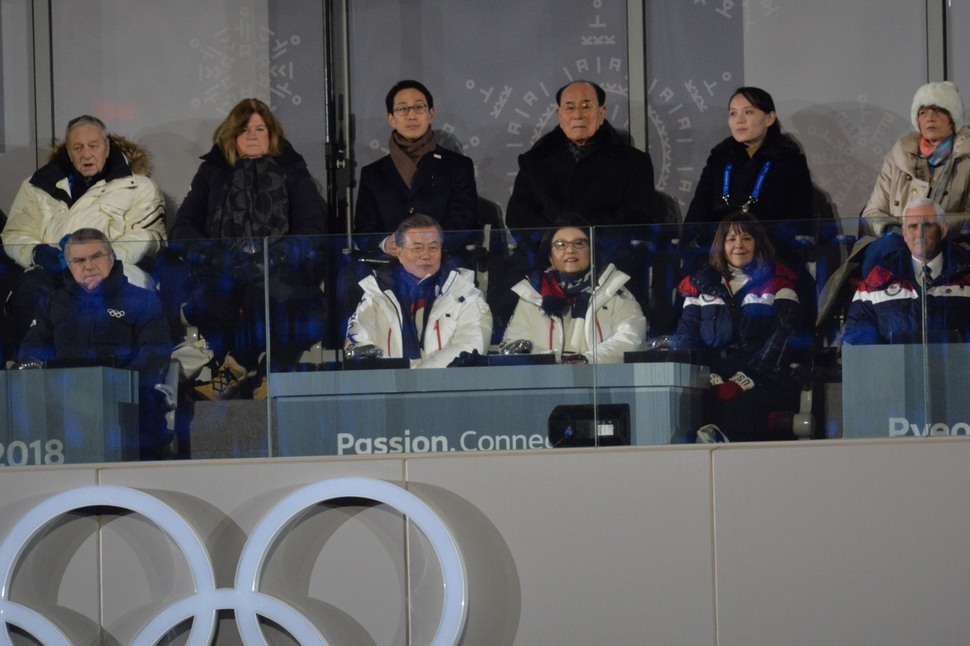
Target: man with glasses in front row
[(99, 318), (419, 308), (570, 312)]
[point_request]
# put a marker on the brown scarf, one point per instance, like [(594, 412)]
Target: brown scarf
[(406, 154)]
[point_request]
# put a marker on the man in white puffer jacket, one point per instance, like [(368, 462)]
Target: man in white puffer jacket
[(91, 180), (416, 309)]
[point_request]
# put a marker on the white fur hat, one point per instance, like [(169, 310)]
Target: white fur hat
[(943, 94)]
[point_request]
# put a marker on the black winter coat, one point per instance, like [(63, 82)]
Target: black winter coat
[(612, 185), (211, 184), (443, 188), (117, 322), (786, 193)]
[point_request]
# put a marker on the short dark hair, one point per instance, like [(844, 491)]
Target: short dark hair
[(87, 234), (86, 120), (406, 84), (416, 221), (568, 220), (600, 94)]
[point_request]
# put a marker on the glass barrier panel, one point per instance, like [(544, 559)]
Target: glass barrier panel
[(415, 363), (555, 338), (906, 329)]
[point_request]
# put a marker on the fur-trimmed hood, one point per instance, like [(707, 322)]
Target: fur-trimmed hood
[(138, 158)]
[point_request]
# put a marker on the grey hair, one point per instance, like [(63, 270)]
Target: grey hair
[(416, 221), (85, 120), (925, 201), (87, 234), (942, 218)]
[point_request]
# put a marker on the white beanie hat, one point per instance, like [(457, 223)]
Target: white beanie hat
[(942, 94)]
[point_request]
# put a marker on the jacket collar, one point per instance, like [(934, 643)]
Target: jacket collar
[(961, 143), (112, 283), (608, 283), (776, 147), (956, 262), (708, 279), (603, 139), (287, 158), (60, 167)]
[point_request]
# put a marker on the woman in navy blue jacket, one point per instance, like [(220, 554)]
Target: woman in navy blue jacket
[(741, 317)]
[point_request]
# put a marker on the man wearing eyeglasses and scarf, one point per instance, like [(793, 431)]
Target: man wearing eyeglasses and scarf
[(417, 308), (416, 176)]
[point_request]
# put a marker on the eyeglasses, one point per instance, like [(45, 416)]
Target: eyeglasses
[(403, 110), (80, 262), (578, 245), (572, 108), (419, 249)]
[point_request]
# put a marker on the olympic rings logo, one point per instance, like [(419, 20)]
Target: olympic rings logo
[(115, 314), (244, 598)]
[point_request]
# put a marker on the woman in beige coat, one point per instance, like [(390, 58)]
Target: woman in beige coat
[(933, 162)]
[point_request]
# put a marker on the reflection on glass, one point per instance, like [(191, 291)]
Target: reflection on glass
[(740, 330)]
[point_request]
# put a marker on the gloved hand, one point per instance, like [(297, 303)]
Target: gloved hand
[(279, 254), (363, 351), (663, 342), (49, 258), (247, 246), (216, 255), (575, 359), (195, 251), (734, 386), (469, 360), (519, 346)]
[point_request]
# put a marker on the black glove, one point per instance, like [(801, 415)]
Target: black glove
[(519, 346), (279, 255), (49, 258), (660, 343), (365, 351), (195, 252), (469, 360)]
